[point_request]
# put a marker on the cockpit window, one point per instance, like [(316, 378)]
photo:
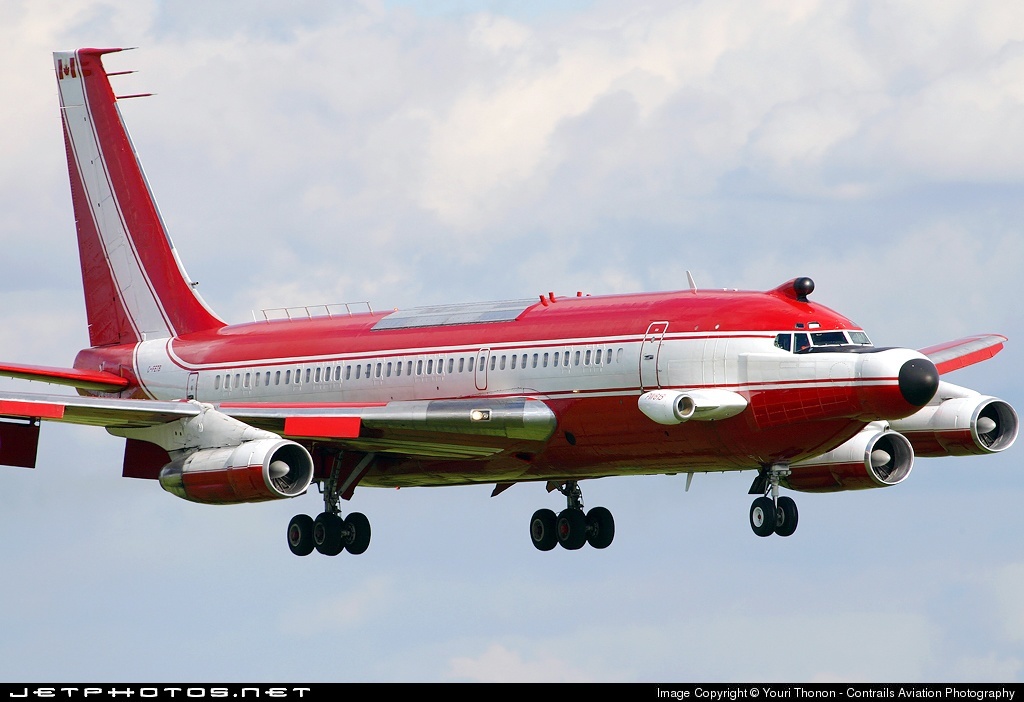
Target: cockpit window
[(802, 342), (835, 338)]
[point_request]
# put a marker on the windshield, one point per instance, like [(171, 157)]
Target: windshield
[(803, 341)]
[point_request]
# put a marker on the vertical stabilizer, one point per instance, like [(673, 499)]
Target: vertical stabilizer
[(135, 286)]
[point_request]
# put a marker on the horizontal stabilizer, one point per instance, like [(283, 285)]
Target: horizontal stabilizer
[(98, 381), (954, 355)]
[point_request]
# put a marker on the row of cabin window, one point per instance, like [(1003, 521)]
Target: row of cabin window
[(398, 368)]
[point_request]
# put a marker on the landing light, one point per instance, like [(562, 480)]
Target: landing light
[(479, 415)]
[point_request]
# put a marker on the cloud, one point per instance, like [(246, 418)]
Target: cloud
[(411, 156), (497, 664)]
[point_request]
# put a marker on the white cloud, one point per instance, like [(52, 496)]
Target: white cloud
[(497, 664)]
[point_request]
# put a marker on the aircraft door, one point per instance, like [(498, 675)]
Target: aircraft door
[(480, 373), (649, 350), (193, 384)]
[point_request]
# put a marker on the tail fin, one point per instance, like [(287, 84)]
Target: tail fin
[(135, 286)]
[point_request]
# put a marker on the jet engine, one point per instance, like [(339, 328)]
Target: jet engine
[(875, 457), (961, 426), (254, 471)]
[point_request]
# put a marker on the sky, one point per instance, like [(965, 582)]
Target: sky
[(409, 153)]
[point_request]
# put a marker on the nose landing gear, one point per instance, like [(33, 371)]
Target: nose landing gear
[(774, 514)]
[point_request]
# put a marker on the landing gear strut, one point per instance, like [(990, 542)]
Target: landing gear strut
[(329, 533), (572, 528), (772, 514)]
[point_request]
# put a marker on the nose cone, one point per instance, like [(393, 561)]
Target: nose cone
[(919, 379)]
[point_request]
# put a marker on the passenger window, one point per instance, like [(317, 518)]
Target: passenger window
[(277, 377), (514, 359), (470, 367), (308, 372), (287, 377), (419, 367), (494, 361), (348, 372), (388, 371), (576, 359), (586, 359), (565, 358), (618, 356), (502, 361), (556, 359), (430, 366), (597, 358), (545, 361), (451, 364), (216, 382), (535, 357), (608, 356), (462, 364), (359, 371), (318, 374), (378, 370), (238, 380), (368, 366)]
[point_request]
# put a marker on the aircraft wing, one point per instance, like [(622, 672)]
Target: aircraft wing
[(454, 429), (953, 355)]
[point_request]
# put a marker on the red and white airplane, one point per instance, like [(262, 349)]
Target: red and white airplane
[(552, 390)]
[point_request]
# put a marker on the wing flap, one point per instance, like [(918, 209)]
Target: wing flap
[(954, 355)]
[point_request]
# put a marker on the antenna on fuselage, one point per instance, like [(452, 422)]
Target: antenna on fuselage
[(689, 279)]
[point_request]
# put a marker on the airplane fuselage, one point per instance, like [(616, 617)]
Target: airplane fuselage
[(587, 358)]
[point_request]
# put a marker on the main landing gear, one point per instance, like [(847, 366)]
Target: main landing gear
[(774, 514), (571, 527), (329, 533)]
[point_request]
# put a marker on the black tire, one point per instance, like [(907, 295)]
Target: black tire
[(300, 535), (762, 516), (357, 533), (327, 534), (543, 532), (786, 516), (600, 527), (571, 529)]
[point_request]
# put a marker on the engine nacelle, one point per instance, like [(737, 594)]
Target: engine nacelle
[(961, 426), (677, 406), (875, 457), (254, 471)]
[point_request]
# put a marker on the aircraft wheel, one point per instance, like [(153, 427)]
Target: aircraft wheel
[(762, 516), (786, 516), (327, 534), (300, 535), (357, 533), (600, 527), (571, 528), (543, 530)]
